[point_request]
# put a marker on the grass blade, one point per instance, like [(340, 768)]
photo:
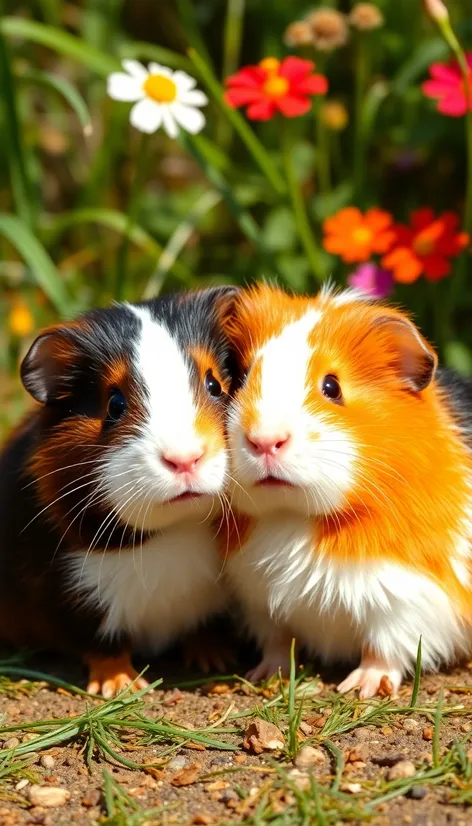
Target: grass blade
[(437, 726), (38, 260), (118, 221), (245, 220), (178, 240), (63, 88), (20, 183), (416, 684), (62, 42)]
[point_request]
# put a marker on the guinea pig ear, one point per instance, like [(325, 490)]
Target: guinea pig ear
[(224, 301), (50, 358), (417, 361)]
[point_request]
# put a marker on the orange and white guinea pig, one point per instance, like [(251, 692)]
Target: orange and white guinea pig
[(352, 472)]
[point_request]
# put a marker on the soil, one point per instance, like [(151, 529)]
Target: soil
[(218, 799)]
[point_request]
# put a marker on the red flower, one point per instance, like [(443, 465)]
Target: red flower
[(273, 86), (448, 86), (425, 247)]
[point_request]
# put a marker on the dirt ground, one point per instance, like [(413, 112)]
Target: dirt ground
[(355, 748)]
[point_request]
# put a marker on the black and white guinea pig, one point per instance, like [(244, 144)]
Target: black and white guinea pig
[(109, 490)]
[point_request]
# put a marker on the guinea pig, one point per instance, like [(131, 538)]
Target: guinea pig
[(109, 490), (351, 468)]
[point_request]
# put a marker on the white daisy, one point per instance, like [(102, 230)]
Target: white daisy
[(163, 98)]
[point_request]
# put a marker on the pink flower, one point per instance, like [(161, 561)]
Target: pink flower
[(372, 280), (449, 88)]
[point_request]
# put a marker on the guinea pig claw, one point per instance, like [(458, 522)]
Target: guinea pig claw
[(369, 678), (110, 675)]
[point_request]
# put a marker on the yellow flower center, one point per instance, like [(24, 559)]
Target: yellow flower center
[(362, 235), (159, 88), (276, 87), (269, 65)]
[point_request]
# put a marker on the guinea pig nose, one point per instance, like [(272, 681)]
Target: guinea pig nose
[(182, 462), (267, 445)]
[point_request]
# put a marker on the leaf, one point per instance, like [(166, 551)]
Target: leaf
[(118, 221), (63, 88), (38, 260), (427, 52), (62, 42), (280, 230), (13, 140)]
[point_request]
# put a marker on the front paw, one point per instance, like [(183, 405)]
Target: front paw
[(369, 678), (269, 667), (110, 675)]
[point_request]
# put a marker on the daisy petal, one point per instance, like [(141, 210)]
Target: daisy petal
[(183, 81), (135, 69), (192, 120), (169, 123), (124, 87), (157, 69), (194, 97), (146, 115)]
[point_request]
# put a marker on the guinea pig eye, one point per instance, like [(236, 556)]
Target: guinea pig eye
[(331, 388), (212, 385), (116, 405)]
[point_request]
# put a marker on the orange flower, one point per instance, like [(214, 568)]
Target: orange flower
[(426, 246), (355, 237)]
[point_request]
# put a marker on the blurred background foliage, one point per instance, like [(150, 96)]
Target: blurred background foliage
[(69, 157)]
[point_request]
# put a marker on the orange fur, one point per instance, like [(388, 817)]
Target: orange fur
[(410, 490)]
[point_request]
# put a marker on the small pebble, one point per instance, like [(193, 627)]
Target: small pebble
[(221, 761), (305, 728), (50, 797), (428, 733), (417, 793), (28, 737), (410, 725), (21, 784), (402, 770), (309, 756), (12, 743), (177, 763), (352, 788), (47, 761), (92, 798), (389, 760)]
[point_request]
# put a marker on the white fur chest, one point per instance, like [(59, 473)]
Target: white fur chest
[(335, 609), (156, 592)]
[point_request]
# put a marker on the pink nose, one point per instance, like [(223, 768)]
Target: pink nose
[(267, 445), (182, 463)]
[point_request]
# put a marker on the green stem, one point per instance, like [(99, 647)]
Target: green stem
[(231, 50), (299, 210), (447, 32), (323, 161), (253, 144), (136, 187), (361, 69)]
